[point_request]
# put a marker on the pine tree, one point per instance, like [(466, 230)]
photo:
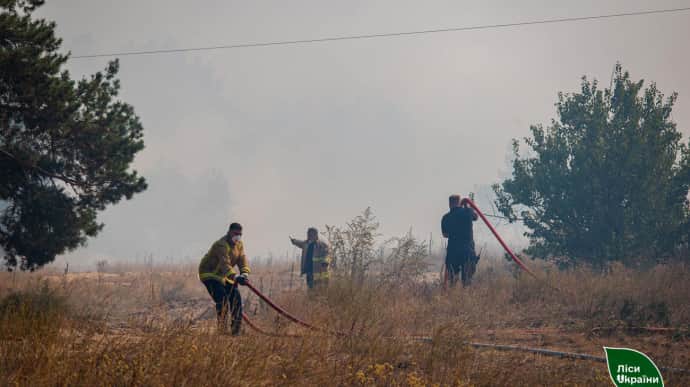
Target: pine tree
[(65, 146)]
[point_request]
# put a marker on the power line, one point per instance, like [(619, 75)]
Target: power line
[(381, 35)]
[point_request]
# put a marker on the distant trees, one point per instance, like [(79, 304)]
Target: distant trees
[(608, 180), (65, 146)]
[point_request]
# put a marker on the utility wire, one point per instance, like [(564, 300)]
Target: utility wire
[(381, 35)]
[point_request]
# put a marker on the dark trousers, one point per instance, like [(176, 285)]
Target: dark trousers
[(227, 298), (461, 262), (310, 280)]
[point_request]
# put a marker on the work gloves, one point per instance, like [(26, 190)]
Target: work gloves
[(242, 279)]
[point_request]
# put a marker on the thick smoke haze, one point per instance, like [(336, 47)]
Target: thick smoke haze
[(281, 138)]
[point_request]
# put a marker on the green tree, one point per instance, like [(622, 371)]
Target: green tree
[(65, 146), (606, 181)]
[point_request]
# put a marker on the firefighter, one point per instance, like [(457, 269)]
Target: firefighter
[(456, 225), (217, 273), (315, 259)]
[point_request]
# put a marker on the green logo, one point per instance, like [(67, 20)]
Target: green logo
[(628, 367)]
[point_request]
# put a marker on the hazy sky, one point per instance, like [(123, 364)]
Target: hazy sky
[(281, 138)]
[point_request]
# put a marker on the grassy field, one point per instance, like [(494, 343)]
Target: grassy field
[(152, 325)]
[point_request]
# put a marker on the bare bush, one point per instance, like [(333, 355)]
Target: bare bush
[(406, 260), (353, 247)]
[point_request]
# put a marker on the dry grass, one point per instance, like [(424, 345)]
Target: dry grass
[(140, 326)]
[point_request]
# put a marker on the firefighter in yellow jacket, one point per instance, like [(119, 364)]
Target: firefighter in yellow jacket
[(315, 259), (217, 273)]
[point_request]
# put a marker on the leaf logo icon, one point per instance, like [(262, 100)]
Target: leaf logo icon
[(629, 367)]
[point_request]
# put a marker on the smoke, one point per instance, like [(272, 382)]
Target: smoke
[(177, 217)]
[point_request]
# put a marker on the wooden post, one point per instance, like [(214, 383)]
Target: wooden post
[(151, 276), (64, 277), (261, 286)]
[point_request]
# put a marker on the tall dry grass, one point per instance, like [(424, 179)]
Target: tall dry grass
[(151, 326)]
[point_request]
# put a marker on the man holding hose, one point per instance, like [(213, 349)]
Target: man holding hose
[(217, 273), (456, 225)]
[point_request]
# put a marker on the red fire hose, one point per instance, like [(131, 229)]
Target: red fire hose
[(540, 351), (287, 314), (498, 237), (264, 332)]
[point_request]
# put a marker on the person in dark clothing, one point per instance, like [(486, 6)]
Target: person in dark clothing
[(456, 225), (315, 259)]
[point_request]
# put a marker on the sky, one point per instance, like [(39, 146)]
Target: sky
[(281, 138)]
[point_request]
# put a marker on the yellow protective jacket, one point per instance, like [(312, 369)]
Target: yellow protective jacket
[(220, 260)]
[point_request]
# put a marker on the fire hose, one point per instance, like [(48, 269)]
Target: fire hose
[(287, 314), (425, 339), (498, 237), (265, 332)]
